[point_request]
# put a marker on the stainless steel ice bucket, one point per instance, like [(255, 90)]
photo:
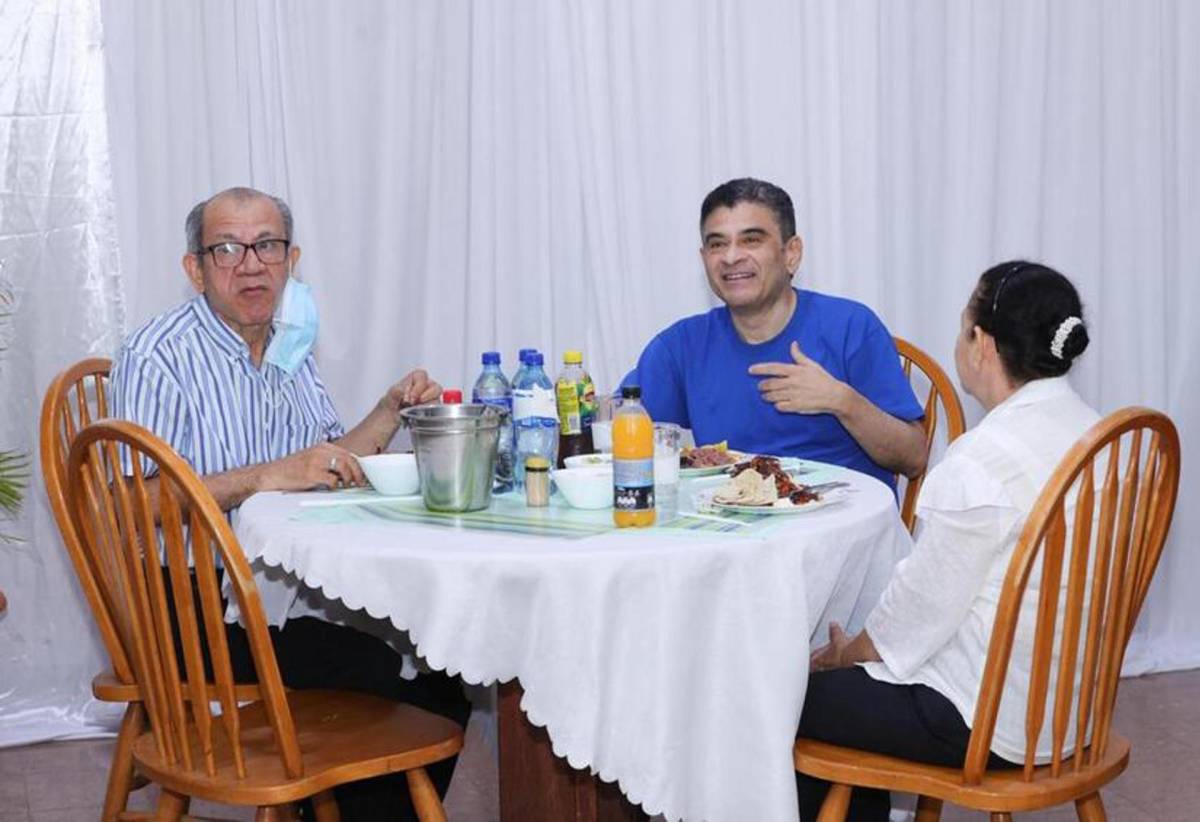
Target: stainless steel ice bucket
[(456, 454)]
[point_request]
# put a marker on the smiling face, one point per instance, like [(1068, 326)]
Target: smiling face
[(748, 262), (245, 295)]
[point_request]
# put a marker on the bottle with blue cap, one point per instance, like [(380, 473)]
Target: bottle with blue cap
[(535, 416), (492, 388), (522, 356)]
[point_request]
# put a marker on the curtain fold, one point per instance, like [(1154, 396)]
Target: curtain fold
[(58, 256)]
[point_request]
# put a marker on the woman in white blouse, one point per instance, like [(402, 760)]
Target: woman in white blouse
[(906, 684)]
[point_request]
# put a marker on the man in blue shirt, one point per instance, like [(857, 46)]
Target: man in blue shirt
[(778, 369), (237, 394)]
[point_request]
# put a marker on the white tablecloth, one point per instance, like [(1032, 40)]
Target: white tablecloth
[(672, 661)]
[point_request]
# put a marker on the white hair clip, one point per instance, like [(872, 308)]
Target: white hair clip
[(1060, 336)]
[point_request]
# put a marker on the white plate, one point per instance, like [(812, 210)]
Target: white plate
[(710, 470), (704, 501), (792, 465)]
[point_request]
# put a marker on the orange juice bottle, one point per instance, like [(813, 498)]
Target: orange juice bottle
[(633, 462)]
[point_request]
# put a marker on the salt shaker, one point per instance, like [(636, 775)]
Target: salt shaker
[(537, 482)]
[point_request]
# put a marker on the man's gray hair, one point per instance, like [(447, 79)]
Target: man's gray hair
[(194, 226)]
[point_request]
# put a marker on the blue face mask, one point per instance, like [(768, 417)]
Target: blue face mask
[(295, 327)]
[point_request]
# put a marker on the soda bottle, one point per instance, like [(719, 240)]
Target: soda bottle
[(451, 396), (492, 388), (633, 462), (535, 416), (576, 398)]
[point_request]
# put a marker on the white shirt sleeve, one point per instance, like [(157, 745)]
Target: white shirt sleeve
[(966, 522)]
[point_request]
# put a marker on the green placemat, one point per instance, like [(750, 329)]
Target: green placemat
[(509, 513)]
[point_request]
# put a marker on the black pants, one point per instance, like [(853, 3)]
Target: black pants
[(312, 653), (847, 707)]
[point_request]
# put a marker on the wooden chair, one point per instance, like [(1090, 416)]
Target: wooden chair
[(1111, 560), (279, 748), (76, 397), (941, 391)]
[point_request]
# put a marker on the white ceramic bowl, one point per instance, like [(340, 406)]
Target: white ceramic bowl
[(588, 460), (588, 488), (392, 474)]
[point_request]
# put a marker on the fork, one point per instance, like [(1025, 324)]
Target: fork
[(827, 486)]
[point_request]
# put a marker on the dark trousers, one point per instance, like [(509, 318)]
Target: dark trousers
[(847, 707), (312, 653)]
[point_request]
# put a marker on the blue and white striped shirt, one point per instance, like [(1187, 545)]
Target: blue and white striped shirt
[(188, 377)]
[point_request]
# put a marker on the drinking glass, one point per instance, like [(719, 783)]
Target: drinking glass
[(667, 438), (602, 424)]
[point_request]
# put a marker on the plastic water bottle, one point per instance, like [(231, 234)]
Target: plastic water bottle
[(535, 416), (521, 358), (492, 388)]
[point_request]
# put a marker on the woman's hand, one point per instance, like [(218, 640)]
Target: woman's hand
[(843, 651), (829, 656)]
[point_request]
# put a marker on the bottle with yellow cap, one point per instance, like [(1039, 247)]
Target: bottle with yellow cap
[(576, 398)]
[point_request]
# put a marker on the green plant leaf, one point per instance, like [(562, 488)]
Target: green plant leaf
[(14, 475)]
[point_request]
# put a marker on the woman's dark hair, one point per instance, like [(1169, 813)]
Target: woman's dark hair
[(1026, 307)]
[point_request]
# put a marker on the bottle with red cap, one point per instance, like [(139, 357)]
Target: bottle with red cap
[(451, 396)]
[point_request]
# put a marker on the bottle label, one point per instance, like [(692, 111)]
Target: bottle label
[(568, 407), (633, 484), (504, 403), (587, 402), (534, 401)]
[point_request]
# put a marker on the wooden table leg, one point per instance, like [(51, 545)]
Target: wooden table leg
[(537, 786)]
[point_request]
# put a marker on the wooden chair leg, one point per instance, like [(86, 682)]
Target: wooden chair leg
[(1090, 808), (836, 804), (326, 807), (424, 796), (120, 770), (929, 809), (171, 806), (276, 813), (1001, 817)]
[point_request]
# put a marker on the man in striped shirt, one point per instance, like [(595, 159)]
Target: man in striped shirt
[(197, 377)]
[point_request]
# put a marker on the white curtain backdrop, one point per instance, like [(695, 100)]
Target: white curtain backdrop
[(58, 252), (475, 175)]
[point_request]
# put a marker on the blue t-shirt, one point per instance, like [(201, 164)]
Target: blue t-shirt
[(696, 374)]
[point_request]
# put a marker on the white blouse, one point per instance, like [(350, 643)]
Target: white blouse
[(934, 621)]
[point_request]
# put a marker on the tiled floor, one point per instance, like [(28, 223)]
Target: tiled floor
[(64, 781)]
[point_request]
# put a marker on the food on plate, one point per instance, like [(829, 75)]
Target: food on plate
[(762, 481), (707, 456)]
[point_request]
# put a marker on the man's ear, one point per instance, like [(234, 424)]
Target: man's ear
[(793, 251), (293, 260), (193, 266)]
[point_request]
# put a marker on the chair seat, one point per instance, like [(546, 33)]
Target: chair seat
[(999, 790), (106, 687), (343, 737)]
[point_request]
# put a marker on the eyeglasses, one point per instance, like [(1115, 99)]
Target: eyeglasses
[(230, 254)]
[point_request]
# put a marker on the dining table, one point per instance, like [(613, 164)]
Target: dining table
[(642, 671)]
